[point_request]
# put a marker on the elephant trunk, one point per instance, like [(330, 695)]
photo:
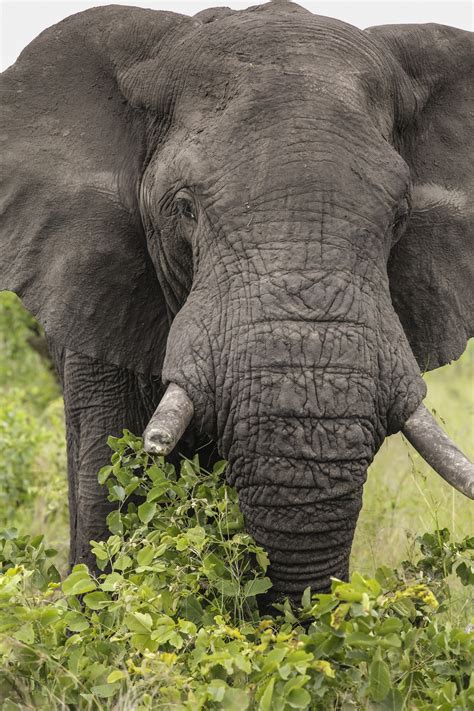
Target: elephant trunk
[(298, 378), (298, 413), (303, 508), (299, 434)]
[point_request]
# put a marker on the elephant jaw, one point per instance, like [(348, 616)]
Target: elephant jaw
[(175, 412)]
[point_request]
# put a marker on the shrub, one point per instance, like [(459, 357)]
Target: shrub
[(33, 462), (170, 620), (24, 374)]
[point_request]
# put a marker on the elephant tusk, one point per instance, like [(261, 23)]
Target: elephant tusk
[(169, 421), (434, 445)]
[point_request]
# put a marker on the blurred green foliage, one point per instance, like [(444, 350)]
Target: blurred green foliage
[(33, 488)]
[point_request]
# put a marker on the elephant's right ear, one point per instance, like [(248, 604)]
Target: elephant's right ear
[(431, 268), (71, 241)]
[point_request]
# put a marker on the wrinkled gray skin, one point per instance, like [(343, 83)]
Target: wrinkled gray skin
[(267, 162)]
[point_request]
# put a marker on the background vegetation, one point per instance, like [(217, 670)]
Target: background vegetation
[(403, 499)]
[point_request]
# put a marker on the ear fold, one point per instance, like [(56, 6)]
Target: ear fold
[(71, 242), (431, 269)]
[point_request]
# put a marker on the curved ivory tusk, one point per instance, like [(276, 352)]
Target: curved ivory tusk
[(169, 421), (434, 445)]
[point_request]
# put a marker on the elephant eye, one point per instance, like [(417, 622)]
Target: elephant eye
[(184, 208), (400, 220)]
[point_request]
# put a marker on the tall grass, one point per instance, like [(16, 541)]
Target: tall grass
[(403, 495)]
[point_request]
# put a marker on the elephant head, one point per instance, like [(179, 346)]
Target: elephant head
[(267, 208)]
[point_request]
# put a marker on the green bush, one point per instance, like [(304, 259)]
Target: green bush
[(25, 377), (172, 621), (33, 489)]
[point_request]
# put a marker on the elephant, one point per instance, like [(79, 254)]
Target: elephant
[(246, 231)]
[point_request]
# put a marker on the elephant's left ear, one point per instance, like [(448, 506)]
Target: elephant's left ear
[(73, 149), (431, 269)]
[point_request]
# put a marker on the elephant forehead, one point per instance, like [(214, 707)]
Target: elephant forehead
[(246, 40), (208, 65)]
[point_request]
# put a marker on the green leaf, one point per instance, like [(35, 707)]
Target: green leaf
[(257, 586), (123, 562), (143, 642), (96, 600), (157, 475), (139, 622), (188, 475), (105, 691), (196, 536), (298, 699), (182, 543), (386, 577), (48, 616), (114, 676), (157, 491), (133, 484), (306, 598), (118, 491), (146, 511), (296, 682), (104, 474), (266, 698), (465, 573), (76, 622), (379, 678), (78, 582), (262, 559), (114, 522), (216, 689), (273, 659), (145, 555), (99, 550), (187, 627), (111, 582), (25, 634), (213, 566), (219, 467), (235, 700), (113, 443), (391, 640), (368, 585), (390, 625), (394, 701), (361, 639), (192, 610)]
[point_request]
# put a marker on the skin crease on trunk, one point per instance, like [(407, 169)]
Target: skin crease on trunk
[(236, 189)]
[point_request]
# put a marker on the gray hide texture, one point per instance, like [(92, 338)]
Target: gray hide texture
[(266, 208)]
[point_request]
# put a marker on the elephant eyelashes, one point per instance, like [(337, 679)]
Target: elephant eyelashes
[(178, 213)]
